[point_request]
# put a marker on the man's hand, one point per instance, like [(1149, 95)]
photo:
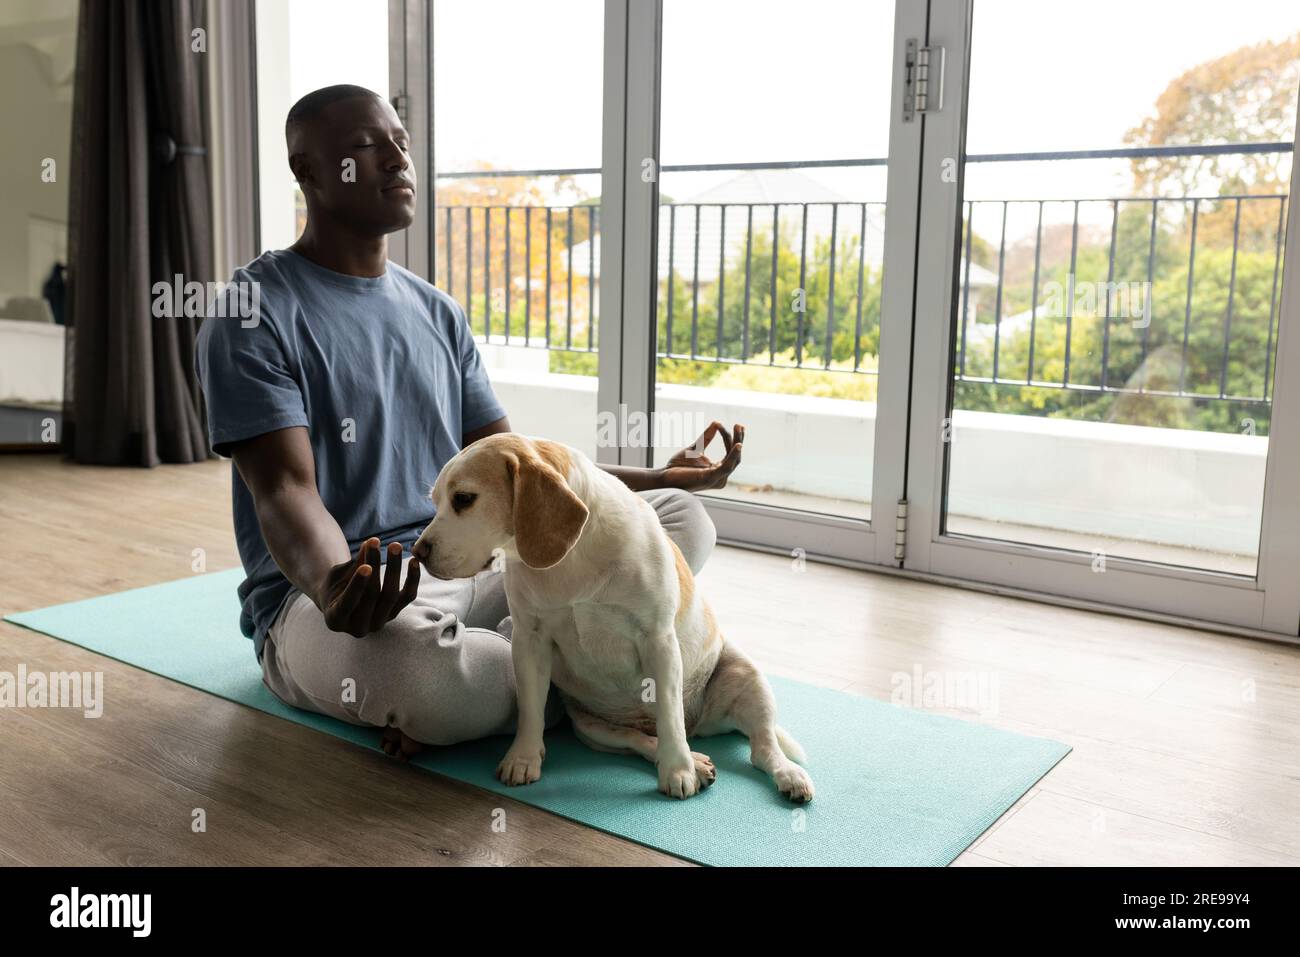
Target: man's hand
[(692, 470), (351, 598)]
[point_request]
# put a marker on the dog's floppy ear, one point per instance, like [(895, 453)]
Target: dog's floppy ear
[(548, 517)]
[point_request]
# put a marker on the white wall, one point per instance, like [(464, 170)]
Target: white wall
[(1168, 486), (36, 113), (276, 194)]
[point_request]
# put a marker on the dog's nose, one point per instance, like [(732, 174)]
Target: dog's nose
[(420, 550)]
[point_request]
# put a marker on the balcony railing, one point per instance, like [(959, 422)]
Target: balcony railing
[(739, 283), (1236, 366), (493, 311)]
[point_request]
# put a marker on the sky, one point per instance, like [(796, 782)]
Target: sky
[(518, 83)]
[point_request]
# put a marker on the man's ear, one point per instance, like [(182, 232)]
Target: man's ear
[(301, 168), (548, 517)]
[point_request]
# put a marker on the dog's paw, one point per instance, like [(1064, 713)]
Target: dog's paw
[(683, 779), (396, 744), (520, 766), (704, 768), (794, 782)]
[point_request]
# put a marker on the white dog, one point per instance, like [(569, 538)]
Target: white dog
[(604, 605)]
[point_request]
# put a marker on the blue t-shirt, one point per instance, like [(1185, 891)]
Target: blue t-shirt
[(383, 372)]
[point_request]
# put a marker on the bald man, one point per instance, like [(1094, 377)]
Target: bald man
[(339, 402)]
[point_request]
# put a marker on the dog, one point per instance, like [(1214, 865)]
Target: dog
[(604, 605)]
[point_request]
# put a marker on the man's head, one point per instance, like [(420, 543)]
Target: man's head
[(349, 153)]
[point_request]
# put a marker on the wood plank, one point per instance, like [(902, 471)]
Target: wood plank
[(362, 806), (1187, 743), (1053, 830)]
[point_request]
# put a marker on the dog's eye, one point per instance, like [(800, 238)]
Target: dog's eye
[(462, 500)]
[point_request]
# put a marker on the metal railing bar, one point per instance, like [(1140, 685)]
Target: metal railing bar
[(862, 253), (1149, 306), (1069, 299), (830, 291), (771, 325), (1098, 390), (1033, 309), (695, 289), (568, 276), (1232, 288), (447, 241), (1187, 315), (803, 287), (997, 312), (507, 212), (965, 296), (1110, 279), (722, 275), (1123, 152), (548, 276), (1272, 302), (528, 273), (487, 270), (749, 244), (591, 275), (727, 360), (672, 235)]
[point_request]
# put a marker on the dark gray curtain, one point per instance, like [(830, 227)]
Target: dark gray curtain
[(139, 213)]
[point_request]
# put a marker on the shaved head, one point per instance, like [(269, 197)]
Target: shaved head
[(310, 106)]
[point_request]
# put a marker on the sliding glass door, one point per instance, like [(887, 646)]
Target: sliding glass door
[(987, 308), (1097, 402), (786, 195), (515, 199)]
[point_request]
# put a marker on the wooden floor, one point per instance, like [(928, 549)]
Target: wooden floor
[(1186, 743)]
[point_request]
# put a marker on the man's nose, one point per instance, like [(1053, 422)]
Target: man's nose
[(397, 159), (420, 550)]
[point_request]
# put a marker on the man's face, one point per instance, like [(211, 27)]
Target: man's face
[(352, 161)]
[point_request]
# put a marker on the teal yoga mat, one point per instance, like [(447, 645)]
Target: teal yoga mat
[(895, 786)]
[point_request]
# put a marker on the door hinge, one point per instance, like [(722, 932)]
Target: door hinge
[(401, 104), (922, 80), (900, 530)]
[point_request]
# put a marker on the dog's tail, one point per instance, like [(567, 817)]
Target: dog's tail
[(790, 746)]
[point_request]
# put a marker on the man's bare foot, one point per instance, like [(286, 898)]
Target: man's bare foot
[(398, 745)]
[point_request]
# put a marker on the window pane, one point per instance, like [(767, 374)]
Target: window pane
[(303, 45), (517, 151), (770, 267), (1116, 321)]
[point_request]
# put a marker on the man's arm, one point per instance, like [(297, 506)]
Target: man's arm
[(306, 542), (492, 428), (637, 479), (689, 469)]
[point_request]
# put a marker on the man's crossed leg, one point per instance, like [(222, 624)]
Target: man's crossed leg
[(441, 670)]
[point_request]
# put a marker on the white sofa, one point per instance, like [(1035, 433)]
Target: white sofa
[(31, 362)]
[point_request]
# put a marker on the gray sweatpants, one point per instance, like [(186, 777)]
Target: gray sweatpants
[(440, 670)]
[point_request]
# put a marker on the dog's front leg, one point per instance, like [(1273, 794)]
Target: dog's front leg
[(531, 654), (678, 776)]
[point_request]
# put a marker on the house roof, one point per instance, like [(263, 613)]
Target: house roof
[(769, 186)]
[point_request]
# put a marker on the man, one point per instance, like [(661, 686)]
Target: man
[(339, 401)]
